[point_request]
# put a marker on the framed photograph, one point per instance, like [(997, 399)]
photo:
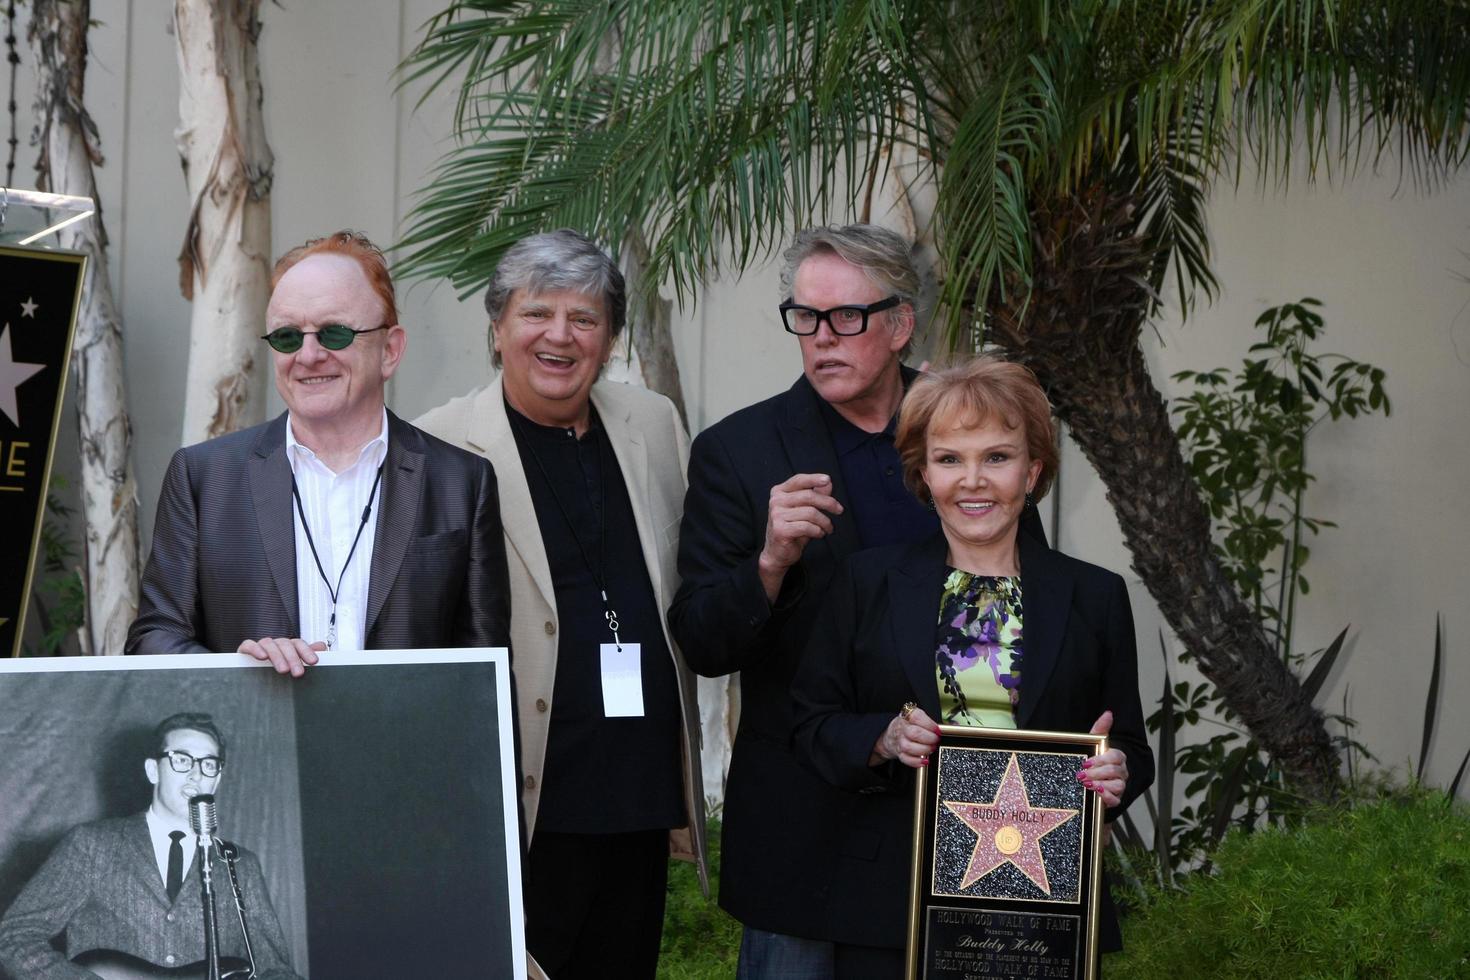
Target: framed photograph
[(372, 807), (1007, 858)]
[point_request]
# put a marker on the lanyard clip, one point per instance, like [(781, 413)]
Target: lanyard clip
[(611, 615)]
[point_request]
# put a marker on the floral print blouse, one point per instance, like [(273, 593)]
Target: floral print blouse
[(978, 651)]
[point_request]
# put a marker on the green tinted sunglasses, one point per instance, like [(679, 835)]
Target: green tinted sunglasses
[(332, 336)]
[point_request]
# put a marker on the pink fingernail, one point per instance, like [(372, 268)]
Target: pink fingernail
[(1087, 764), (1082, 777)]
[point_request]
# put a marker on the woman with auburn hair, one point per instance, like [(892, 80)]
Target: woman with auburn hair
[(975, 625)]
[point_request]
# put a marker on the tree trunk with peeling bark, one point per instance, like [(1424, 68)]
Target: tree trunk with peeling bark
[(1080, 333), (224, 265), (69, 150), (653, 337)]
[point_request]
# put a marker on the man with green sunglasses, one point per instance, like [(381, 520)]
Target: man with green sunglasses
[(337, 525)]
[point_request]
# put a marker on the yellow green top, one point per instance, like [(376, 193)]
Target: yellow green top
[(978, 649)]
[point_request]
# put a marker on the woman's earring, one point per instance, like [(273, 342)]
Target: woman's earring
[(1030, 499)]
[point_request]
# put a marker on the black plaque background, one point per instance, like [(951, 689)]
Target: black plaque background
[(947, 955), (1072, 952), (53, 281)]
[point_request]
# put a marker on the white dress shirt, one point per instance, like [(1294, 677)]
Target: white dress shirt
[(158, 831), (333, 505)]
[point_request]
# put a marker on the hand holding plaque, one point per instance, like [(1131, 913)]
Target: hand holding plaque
[(1007, 855)]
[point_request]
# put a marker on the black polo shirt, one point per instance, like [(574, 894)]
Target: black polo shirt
[(602, 775), (882, 507)]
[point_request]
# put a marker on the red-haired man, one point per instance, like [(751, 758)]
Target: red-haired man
[(336, 525)]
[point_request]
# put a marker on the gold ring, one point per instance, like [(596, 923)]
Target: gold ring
[(908, 709)]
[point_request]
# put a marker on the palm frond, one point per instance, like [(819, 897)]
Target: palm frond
[(711, 152), (716, 126), (983, 193)]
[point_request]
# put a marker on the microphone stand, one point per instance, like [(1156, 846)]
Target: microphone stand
[(231, 853), (204, 856)]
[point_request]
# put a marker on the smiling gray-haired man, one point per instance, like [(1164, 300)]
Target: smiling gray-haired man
[(591, 489)]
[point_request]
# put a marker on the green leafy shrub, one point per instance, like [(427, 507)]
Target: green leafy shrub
[(1245, 436), (1378, 890)]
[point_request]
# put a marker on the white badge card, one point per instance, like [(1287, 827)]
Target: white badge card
[(622, 680)]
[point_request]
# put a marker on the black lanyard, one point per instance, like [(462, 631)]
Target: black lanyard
[(608, 612), (334, 593)]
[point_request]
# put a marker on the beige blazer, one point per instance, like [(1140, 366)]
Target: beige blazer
[(653, 452)]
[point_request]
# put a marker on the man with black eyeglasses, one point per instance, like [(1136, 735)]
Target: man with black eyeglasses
[(121, 897), (780, 493), (336, 526)]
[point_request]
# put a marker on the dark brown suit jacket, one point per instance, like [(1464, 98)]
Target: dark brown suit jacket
[(223, 566)]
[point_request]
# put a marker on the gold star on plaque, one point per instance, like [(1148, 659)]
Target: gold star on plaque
[(1009, 829)]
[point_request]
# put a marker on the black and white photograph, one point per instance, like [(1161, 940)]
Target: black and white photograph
[(165, 813)]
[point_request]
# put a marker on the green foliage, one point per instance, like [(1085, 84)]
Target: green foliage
[(715, 126), (1245, 436), (701, 942), (66, 610), (1378, 890)]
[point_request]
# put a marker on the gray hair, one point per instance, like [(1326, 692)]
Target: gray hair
[(551, 261), (884, 256)]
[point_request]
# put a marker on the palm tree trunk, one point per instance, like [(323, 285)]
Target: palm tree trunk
[(1088, 259), (69, 151)]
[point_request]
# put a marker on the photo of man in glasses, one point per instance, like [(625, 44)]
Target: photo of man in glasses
[(336, 525), (122, 897)]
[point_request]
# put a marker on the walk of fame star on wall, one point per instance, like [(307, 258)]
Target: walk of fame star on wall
[(1004, 835)]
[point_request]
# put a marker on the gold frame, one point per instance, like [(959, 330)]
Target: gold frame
[(80, 260), (921, 865)]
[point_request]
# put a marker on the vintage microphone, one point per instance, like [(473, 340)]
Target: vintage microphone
[(204, 822)]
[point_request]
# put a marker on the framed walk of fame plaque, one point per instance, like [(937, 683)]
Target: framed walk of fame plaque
[(1007, 858), (40, 294)]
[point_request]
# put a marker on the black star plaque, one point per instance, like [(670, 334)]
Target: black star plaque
[(40, 294)]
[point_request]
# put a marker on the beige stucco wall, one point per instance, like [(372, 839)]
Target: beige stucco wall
[(1385, 260)]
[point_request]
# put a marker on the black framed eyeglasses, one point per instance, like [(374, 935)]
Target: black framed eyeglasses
[(182, 762), (332, 336), (845, 321)]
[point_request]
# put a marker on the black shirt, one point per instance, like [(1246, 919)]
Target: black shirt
[(602, 775), (882, 507)]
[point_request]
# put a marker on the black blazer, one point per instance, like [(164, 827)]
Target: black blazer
[(872, 650), (223, 566), (777, 820), (778, 849)]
